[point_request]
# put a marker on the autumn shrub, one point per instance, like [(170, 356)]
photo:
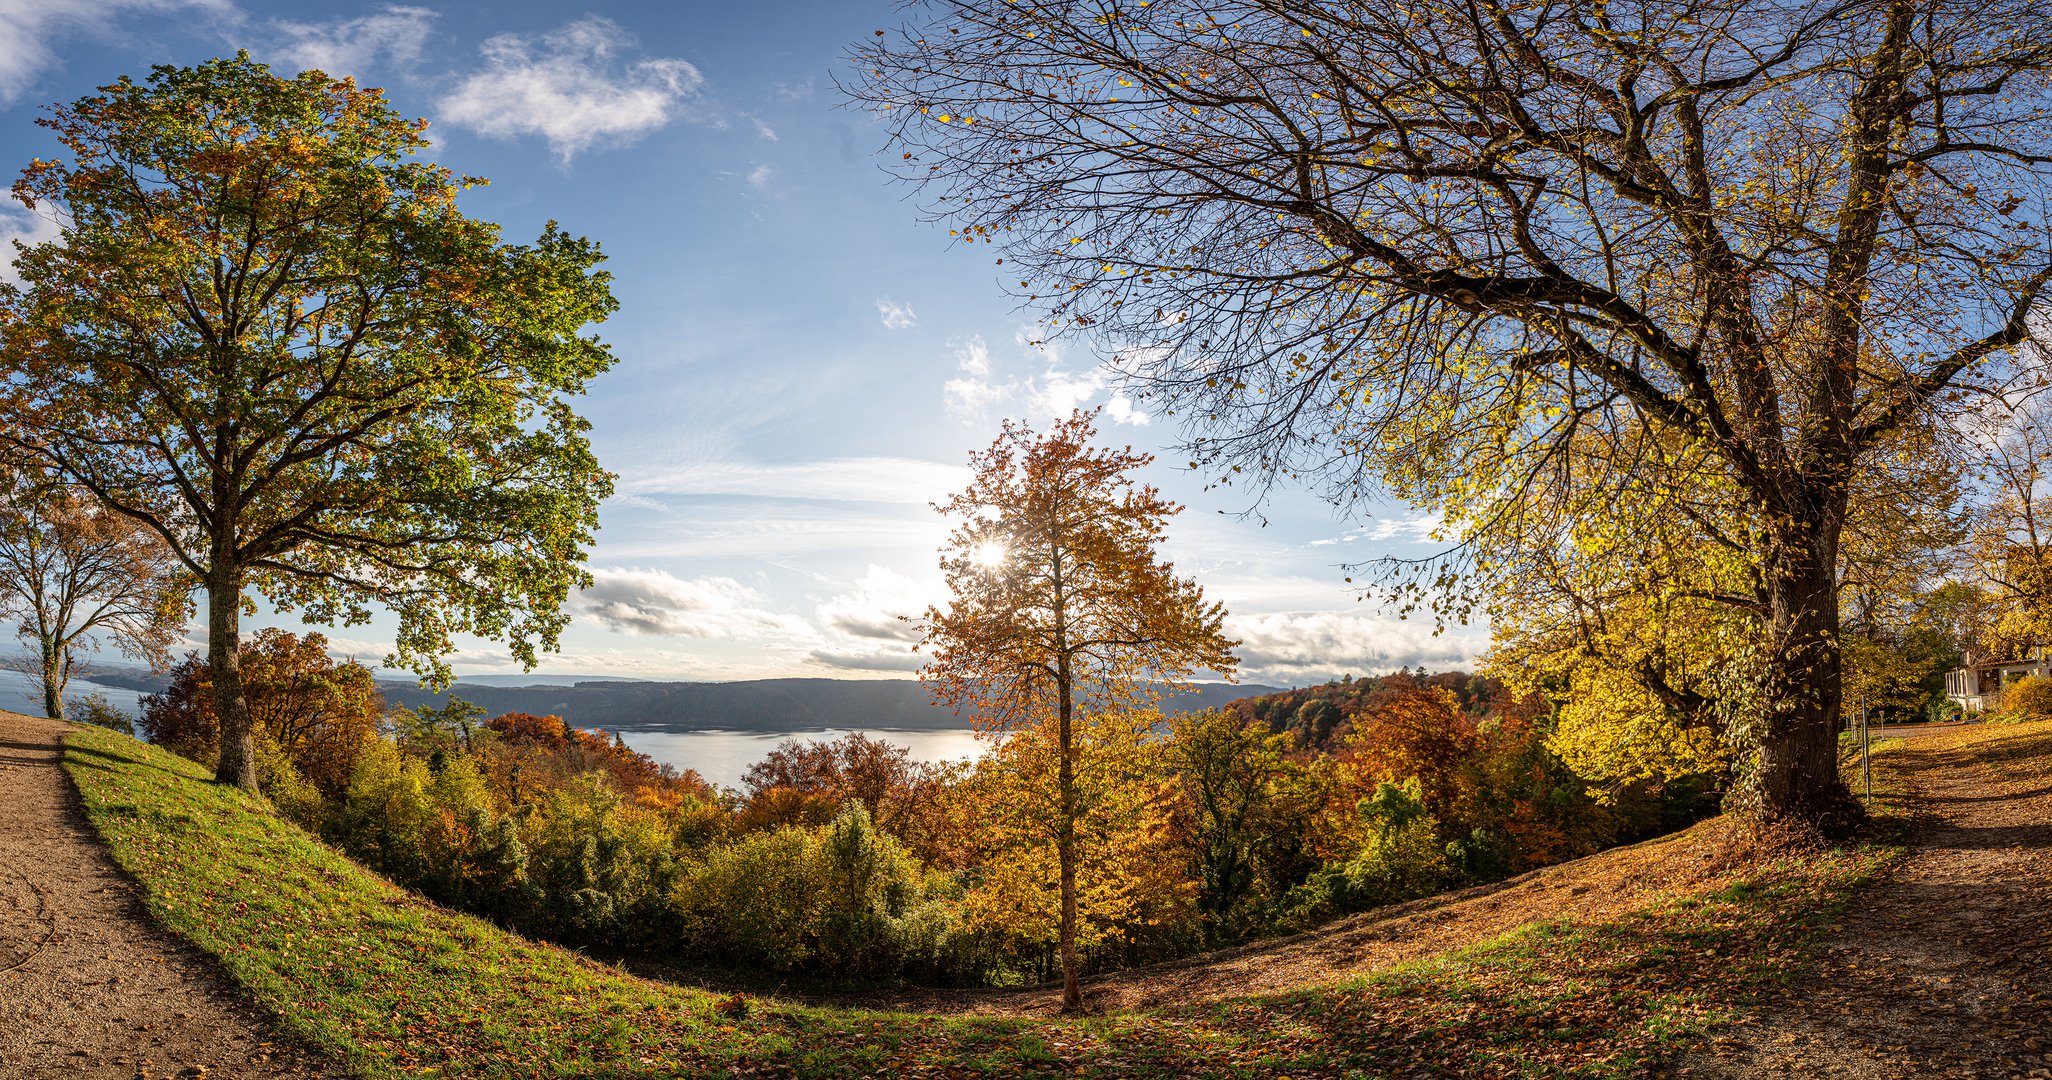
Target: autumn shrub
[(319, 715), (2030, 695)]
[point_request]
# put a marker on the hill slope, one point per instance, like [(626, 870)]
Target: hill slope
[(388, 984)]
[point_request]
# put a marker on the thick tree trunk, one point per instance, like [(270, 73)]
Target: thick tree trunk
[(53, 678), (1798, 781), (224, 662)]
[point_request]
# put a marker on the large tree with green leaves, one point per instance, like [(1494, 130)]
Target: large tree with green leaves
[(1530, 265), (268, 333)]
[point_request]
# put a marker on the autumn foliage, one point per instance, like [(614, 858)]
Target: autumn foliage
[(1063, 629), (847, 858)]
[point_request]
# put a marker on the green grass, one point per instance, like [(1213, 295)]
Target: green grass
[(387, 984)]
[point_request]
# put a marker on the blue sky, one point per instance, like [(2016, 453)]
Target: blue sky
[(803, 365)]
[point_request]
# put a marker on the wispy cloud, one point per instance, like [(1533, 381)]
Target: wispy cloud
[(372, 653), (30, 31), (896, 316), (762, 129), (573, 86), (850, 479), (899, 659), (1418, 529), (759, 177), (353, 46)]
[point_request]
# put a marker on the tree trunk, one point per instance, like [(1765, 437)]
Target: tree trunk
[(1065, 842), (1798, 781), (53, 678), (224, 663)]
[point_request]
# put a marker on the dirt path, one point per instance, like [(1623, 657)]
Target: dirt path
[(88, 985), (1944, 968)]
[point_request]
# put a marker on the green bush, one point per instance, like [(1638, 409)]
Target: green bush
[(1402, 861), (95, 709), (602, 872), (840, 899)]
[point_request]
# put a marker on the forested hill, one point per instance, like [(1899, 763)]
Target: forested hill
[(757, 705)]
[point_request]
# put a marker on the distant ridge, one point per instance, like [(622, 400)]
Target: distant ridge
[(754, 705)]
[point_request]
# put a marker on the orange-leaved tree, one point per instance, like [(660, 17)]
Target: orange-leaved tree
[(1063, 611), (73, 575), (317, 714)]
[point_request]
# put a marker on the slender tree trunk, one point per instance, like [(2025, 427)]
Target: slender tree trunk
[(1065, 842), (1798, 778), (224, 663), (53, 677)]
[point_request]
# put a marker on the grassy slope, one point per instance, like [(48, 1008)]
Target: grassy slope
[(389, 984)]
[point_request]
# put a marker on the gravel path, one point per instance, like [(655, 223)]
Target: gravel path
[(88, 985), (1941, 969)]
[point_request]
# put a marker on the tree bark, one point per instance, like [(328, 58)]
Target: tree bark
[(224, 662), (1065, 843), (53, 678), (1798, 779)]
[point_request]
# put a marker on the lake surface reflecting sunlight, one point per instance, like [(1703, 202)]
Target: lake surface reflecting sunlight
[(723, 756)]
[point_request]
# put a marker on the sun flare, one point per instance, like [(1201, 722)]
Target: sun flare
[(989, 554)]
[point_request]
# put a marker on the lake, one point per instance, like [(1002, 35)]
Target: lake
[(723, 756), (22, 694), (719, 756)]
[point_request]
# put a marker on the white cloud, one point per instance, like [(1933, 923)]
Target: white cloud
[(351, 46), (1307, 646), (972, 354), (1121, 410), (30, 30), (762, 129), (896, 316), (884, 606), (759, 177), (571, 86), (1043, 396), (30, 227), (656, 602)]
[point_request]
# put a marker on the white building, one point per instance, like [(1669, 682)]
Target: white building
[(1978, 687)]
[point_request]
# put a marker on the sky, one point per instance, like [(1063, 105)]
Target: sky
[(804, 363)]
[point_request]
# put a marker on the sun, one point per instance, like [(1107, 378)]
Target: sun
[(989, 554)]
